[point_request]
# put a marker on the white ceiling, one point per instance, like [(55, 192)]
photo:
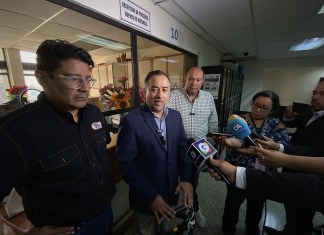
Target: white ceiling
[(264, 28), (25, 24)]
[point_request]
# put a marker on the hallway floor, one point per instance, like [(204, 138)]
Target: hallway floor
[(212, 197)]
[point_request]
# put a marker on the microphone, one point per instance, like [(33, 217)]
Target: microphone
[(200, 152), (239, 128), (160, 131)]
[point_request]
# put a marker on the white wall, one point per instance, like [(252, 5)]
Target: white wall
[(293, 79), (160, 27)]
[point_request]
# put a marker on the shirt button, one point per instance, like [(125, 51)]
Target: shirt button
[(86, 146)]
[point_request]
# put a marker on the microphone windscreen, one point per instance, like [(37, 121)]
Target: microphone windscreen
[(238, 127)]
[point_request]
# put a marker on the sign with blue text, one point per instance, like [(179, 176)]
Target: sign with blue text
[(174, 34), (135, 15)]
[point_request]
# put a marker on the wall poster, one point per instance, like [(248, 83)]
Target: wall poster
[(211, 84)]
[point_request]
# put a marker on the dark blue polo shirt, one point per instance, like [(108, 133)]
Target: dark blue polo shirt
[(59, 167)]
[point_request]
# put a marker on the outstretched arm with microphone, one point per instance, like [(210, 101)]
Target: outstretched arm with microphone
[(270, 158), (291, 189)]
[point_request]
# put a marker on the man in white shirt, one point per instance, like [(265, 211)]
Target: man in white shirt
[(199, 116)]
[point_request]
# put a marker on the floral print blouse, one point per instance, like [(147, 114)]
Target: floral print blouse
[(269, 129)]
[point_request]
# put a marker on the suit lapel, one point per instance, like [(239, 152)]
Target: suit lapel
[(149, 119)]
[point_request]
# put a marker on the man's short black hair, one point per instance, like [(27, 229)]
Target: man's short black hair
[(51, 52), (154, 73)]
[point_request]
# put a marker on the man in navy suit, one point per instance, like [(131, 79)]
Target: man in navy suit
[(151, 152)]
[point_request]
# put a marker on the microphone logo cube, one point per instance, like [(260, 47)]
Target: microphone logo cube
[(237, 127), (200, 151)]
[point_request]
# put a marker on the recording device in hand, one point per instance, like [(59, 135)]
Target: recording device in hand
[(217, 134), (302, 109), (200, 152), (239, 128), (256, 135)]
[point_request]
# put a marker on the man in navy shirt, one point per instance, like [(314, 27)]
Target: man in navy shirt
[(53, 151)]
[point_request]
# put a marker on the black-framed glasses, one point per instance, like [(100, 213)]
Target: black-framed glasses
[(262, 108), (76, 82)]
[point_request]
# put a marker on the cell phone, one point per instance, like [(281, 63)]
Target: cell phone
[(301, 108), (217, 134)]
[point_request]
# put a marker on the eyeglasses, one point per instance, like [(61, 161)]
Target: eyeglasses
[(262, 108), (75, 82)]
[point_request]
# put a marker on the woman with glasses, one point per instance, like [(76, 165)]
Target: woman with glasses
[(263, 104)]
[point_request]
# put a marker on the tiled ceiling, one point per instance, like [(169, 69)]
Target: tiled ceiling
[(25, 24), (265, 29)]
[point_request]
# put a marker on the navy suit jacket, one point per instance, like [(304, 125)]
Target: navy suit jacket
[(307, 140), (304, 191), (147, 166)]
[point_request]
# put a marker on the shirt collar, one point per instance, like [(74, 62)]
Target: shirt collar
[(319, 113), (59, 113), (164, 114), (185, 92)]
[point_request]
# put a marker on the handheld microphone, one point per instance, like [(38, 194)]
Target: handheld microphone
[(239, 128), (200, 152)]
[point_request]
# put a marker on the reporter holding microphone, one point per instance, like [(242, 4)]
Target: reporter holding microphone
[(302, 190), (257, 121)]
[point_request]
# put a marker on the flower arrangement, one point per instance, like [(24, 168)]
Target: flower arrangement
[(117, 97), (15, 91)]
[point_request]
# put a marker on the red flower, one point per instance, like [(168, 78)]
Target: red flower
[(16, 90)]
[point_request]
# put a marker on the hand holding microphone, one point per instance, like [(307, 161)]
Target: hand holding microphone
[(228, 169), (200, 153)]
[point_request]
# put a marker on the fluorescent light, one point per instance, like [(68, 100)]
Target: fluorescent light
[(92, 39), (308, 44), (321, 11), (169, 60)]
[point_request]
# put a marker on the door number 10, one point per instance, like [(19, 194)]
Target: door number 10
[(174, 33)]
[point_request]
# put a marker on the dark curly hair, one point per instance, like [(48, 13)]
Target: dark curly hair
[(51, 52), (270, 94)]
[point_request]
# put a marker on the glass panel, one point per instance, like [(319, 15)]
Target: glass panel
[(4, 79), (28, 57), (1, 55), (4, 84), (176, 71), (31, 81), (153, 56)]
